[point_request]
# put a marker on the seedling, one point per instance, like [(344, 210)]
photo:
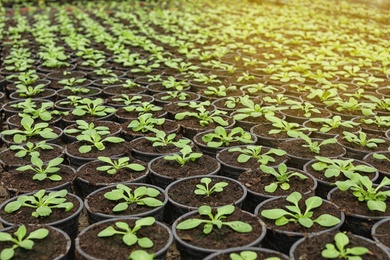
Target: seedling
[(314, 146), (91, 139), (127, 100), (186, 155), (94, 107), (175, 95), (142, 196), (205, 117), (333, 123), (84, 127), (29, 129), (282, 176), (145, 123), (252, 151), (362, 140), (20, 240), (41, 202), (115, 165), (141, 254), (204, 189), (295, 214), (249, 255), (306, 107), (333, 167), (222, 137), (282, 126), (30, 149), (162, 139), (339, 250), (129, 235), (363, 190), (143, 108), (215, 220), (42, 171)]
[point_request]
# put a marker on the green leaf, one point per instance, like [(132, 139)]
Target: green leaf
[(26, 244), (130, 239), (145, 242), (107, 232), (274, 213), (39, 233), (120, 207), (189, 224), (327, 220), (7, 253)]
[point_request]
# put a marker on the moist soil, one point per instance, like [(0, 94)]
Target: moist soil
[(325, 208), (9, 159), (89, 173), (145, 146), (295, 148), (99, 204), (118, 90), (174, 108), (114, 248), (301, 114), (23, 215), (231, 159), (22, 182), (256, 181), (183, 193), (381, 165), (47, 248), (111, 149), (202, 166), (382, 233), (350, 205), (312, 247), (224, 237)]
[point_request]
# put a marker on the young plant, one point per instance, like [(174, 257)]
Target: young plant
[(186, 155), (29, 130), (43, 171), (306, 107), (333, 123), (215, 220), (41, 202), (141, 254), (249, 255), (204, 189), (282, 126), (92, 107), (363, 190), (314, 146), (220, 91), (282, 176), (143, 108), (294, 214), (259, 88), (362, 140), (252, 151), (29, 91), (129, 235), (127, 100), (222, 137), (91, 139), (113, 166), (141, 196), (333, 167), (175, 95), (20, 239), (162, 139), (145, 123), (205, 117), (172, 83), (30, 149), (254, 110), (84, 127), (339, 250)]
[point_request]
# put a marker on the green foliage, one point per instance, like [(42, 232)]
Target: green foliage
[(143, 108), (295, 215), (339, 250), (221, 137), (204, 189), (93, 107), (333, 123), (42, 171), (143, 196), (30, 149), (20, 240), (115, 165), (41, 202), (129, 235), (362, 140), (128, 100), (253, 151), (363, 189), (141, 254), (314, 146), (282, 176), (162, 139), (282, 126), (186, 155), (84, 127), (91, 139), (145, 123), (214, 220), (205, 117)]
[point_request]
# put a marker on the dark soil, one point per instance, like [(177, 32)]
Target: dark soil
[(382, 233), (311, 248), (118, 90), (183, 193), (111, 149), (381, 165), (41, 251), (145, 146), (224, 237), (257, 180), (114, 248), (202, 166)]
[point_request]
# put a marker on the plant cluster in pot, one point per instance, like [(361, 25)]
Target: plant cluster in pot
[(238, 159), (380, 160), (212, 141), (363, 202), (328, 171), (269, 182), (124, 238), (147, 148), (302, 149), (128, 87), (376, 125), (360, 144), (166, 169), (38, 175), (331, 127), (106, 171), (290, 218), (247, 253), (123, 100), (230, 104), (299, 112), (239, 228), (59, 209), (163, 98), (188, 194), (341, 245), (126, 200), (131, 112), (34, 242)]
